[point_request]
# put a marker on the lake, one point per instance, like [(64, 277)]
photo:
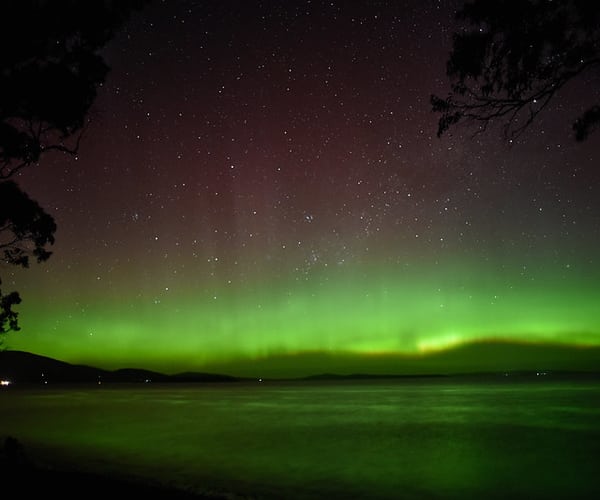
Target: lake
[(405, 438)]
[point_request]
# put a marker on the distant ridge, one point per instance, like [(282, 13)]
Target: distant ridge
[(474, 358), (25, 367), (479, 359)]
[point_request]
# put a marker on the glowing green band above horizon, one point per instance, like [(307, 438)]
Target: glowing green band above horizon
[(360, 309)]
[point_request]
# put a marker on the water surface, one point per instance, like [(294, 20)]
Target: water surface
[(425, 438)]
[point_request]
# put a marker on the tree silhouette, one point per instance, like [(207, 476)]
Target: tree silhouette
[(50, 69), (25, 227), (512, 58), (8, 317)]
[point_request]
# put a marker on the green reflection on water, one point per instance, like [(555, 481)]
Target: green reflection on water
[(412, 439)]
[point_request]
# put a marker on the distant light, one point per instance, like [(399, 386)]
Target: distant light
[(5, 382)]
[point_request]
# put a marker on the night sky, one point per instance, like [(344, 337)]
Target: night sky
[(264, 178)]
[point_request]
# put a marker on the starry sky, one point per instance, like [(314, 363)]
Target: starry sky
[(263, 178)]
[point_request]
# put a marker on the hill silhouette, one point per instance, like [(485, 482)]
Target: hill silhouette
[(491, 357), (25, 367), (478, 358)]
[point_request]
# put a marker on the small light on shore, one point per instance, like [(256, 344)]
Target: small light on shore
[(4, 382)]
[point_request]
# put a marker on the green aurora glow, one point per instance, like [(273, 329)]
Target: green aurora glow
[(364, 311), (239, 199)]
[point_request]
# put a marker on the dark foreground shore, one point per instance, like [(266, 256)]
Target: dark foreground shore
[(25, 478)]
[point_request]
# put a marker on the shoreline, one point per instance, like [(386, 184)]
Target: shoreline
[(31, 478)]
